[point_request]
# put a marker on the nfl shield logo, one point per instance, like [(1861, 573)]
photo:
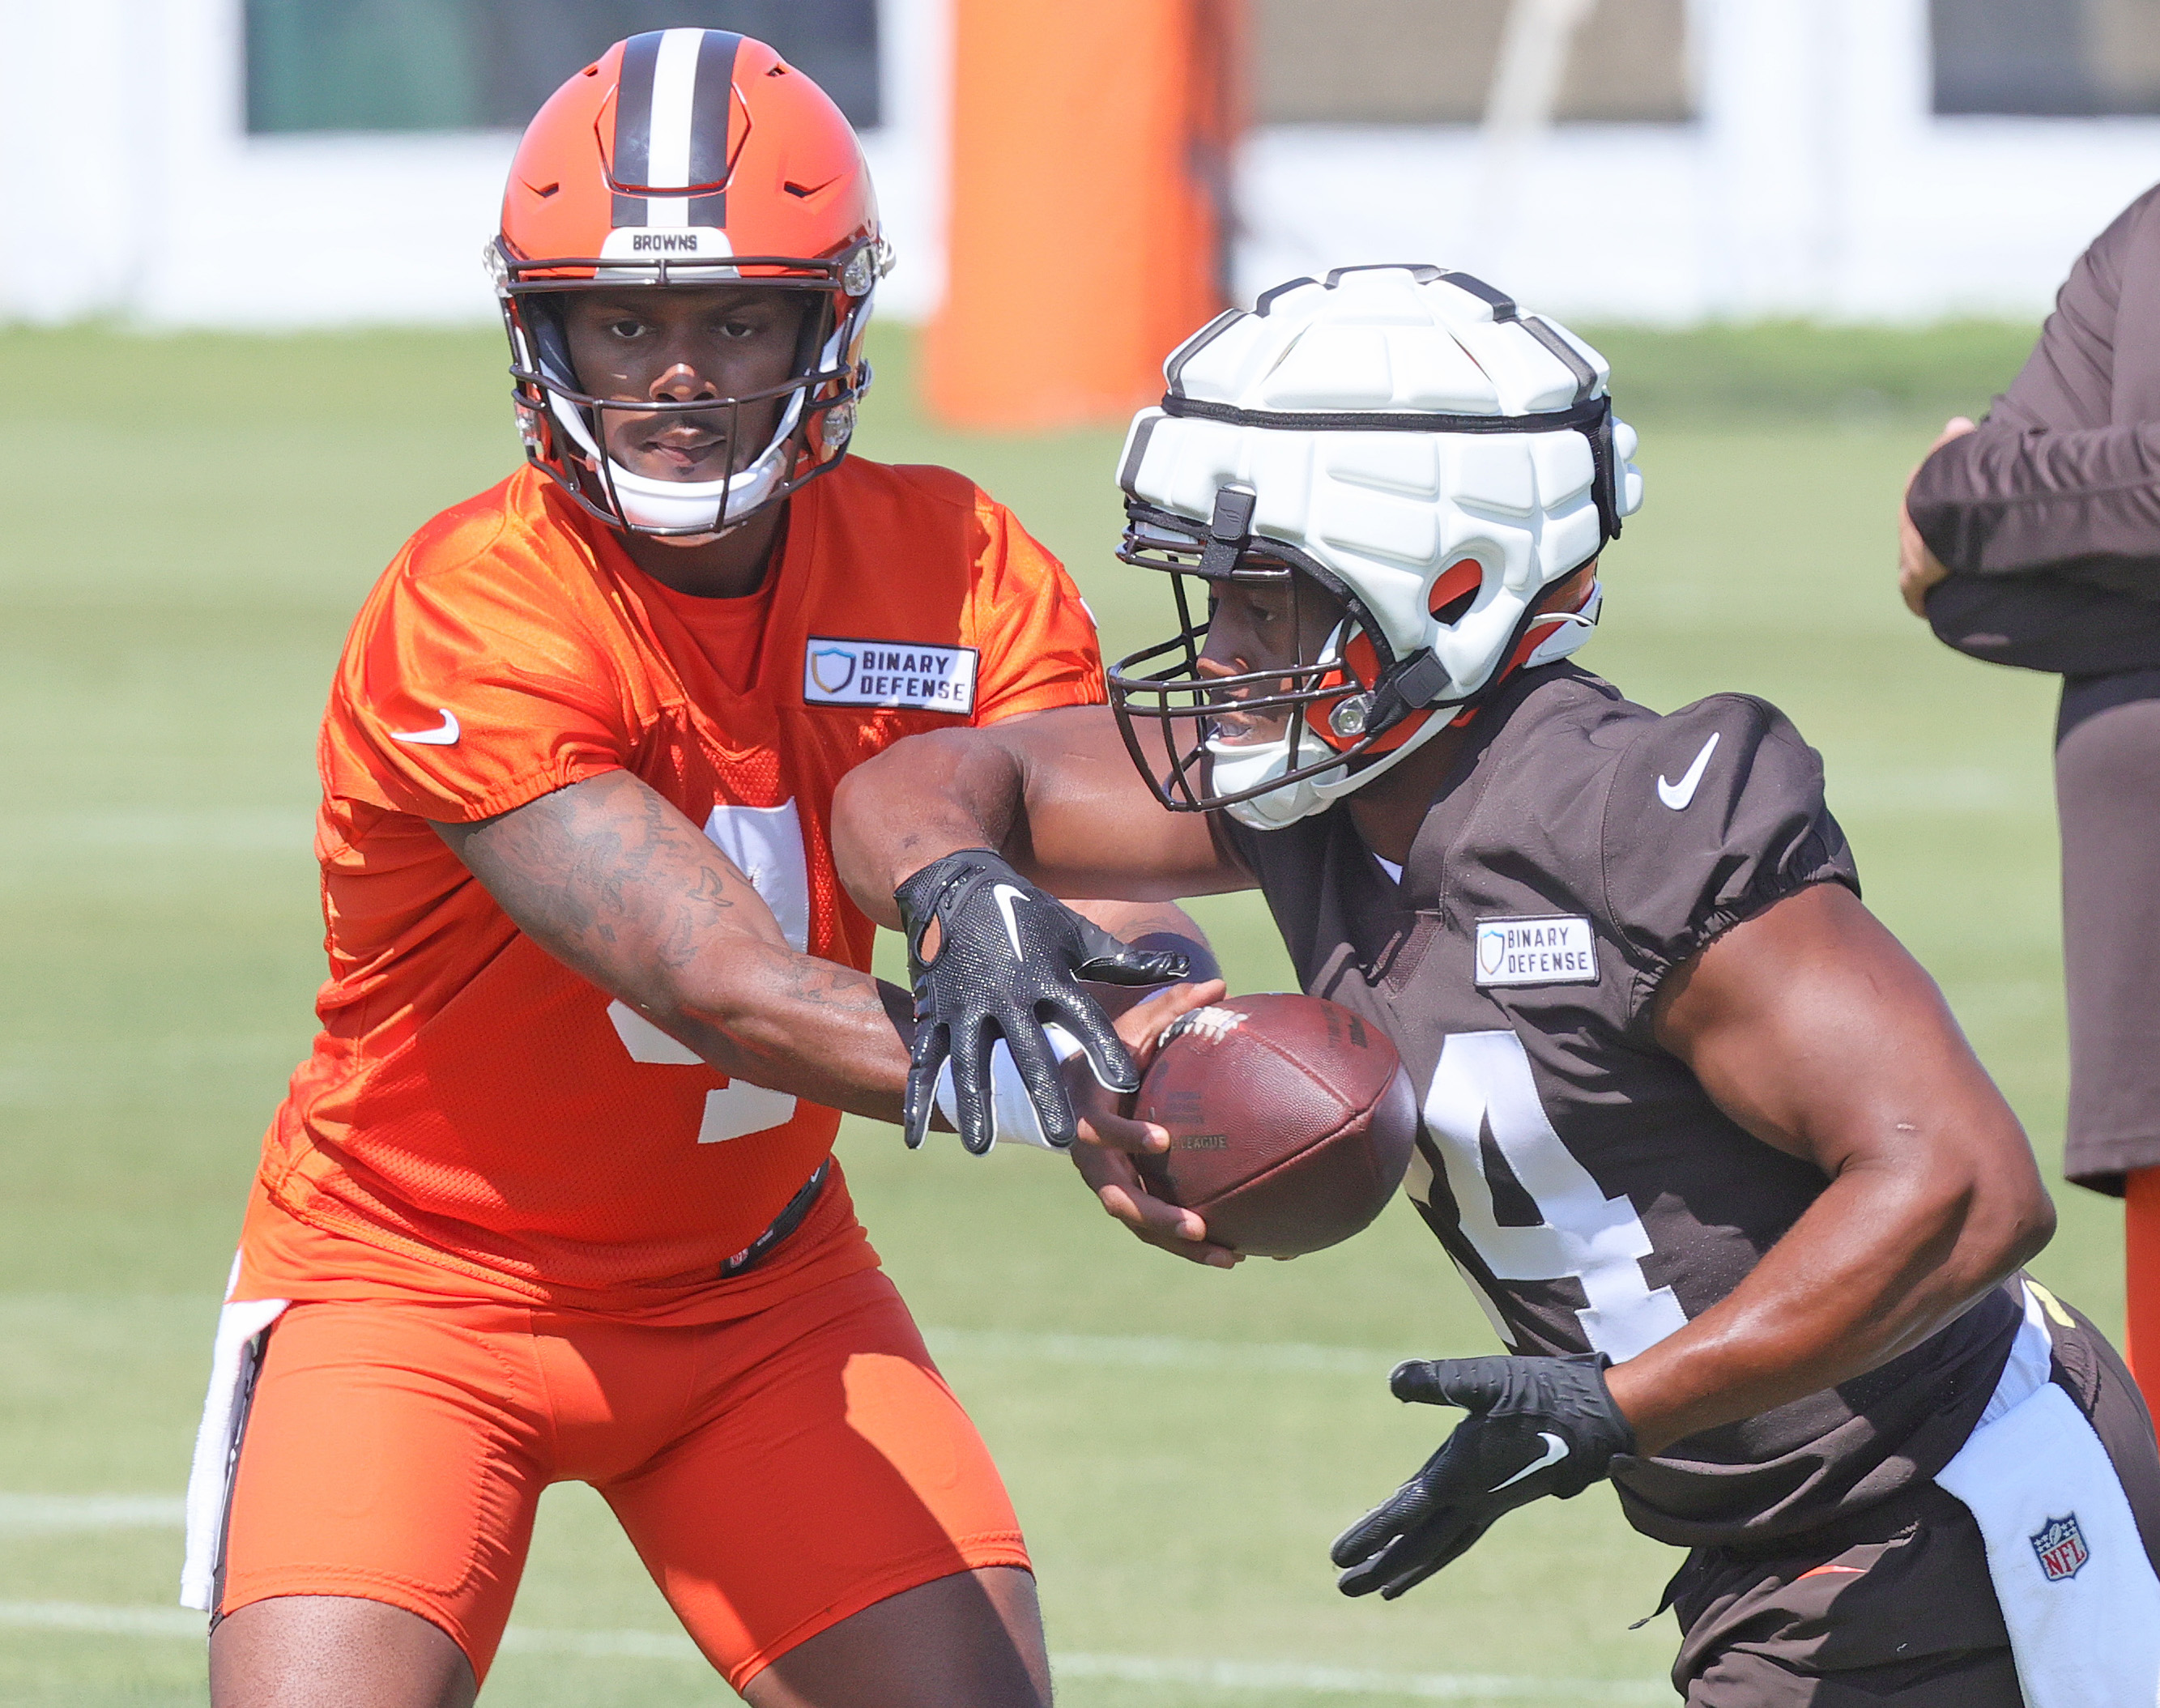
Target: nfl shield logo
[(831, 668), (2060, 1545)]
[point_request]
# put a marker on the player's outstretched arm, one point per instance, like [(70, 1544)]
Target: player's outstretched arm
[(951, 837), (1811, 1026), (610, 879), (1055, 793)]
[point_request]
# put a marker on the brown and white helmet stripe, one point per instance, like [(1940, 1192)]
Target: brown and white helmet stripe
[(669, 163)]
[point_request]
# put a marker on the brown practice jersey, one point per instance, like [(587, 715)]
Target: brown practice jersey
[(1577, 1172)]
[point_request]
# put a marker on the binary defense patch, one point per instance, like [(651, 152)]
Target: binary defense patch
[(1557, 949), (913, 676)]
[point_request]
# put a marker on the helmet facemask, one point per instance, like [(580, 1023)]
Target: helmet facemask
[(576, 434), (1279, 741)]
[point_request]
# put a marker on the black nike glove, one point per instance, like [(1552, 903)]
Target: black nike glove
[(1537, 1427), (1009, 956)]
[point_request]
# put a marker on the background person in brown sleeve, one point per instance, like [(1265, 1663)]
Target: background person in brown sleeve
[(2033, 539)]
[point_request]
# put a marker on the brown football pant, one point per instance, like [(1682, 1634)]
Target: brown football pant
[(1896, 1609)]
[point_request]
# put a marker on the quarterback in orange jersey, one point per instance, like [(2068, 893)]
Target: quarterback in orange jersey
[(553, 1197)]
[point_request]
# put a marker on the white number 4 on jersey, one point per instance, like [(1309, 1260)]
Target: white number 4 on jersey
[(1484, 1081)]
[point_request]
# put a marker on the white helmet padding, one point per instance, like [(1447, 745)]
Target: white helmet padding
[(1407, 439)]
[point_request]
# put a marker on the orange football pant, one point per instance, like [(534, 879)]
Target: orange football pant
[(2141, 1228), (777, 1474)]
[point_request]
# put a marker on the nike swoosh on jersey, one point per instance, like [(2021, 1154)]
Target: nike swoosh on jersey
[(1555, 1448), (443, 737), (1006, 895), (1676, 795)]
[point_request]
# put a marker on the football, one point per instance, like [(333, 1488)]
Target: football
[(1291, 1122)]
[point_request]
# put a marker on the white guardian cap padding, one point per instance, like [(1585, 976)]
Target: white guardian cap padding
[(1432, 455)]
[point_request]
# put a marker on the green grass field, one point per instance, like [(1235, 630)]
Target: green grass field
[(190, 524)]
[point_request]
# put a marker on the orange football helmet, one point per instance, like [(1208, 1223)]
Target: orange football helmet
[(688, 158)]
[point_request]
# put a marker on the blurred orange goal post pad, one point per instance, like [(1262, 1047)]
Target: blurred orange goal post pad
[(1092, 149)]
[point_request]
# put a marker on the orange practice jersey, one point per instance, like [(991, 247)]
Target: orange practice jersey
[(475, 1117)]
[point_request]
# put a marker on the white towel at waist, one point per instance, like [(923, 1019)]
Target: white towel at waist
[(2069, 1569), (217, 1440)]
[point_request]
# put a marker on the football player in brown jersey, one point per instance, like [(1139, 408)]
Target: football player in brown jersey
[(1747, 1212)]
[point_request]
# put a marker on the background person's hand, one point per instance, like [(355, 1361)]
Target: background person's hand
[(1110, 1137), (1918, 568)]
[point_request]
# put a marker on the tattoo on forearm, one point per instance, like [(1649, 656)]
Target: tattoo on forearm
[(695, 914), (584, 875), (634, 896), (828, 984)]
